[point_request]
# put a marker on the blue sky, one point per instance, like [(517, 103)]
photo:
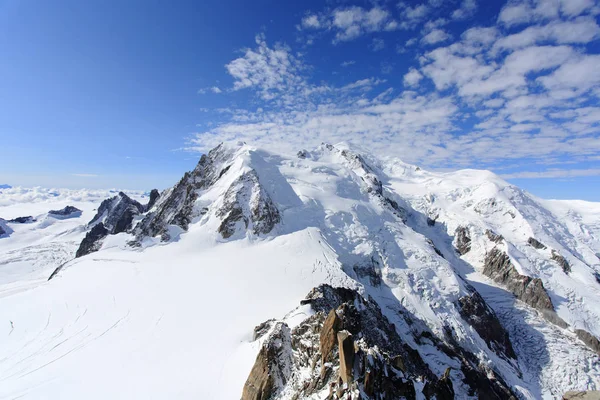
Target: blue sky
[(127, 94)]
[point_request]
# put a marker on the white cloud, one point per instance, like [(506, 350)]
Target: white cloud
[(435, 36), (216, 90), (518, 12), (348, 23), (467, 9), (524, 93), (377, 44), (413, 15), (575, 7), (348, 63), (412, 78), (582, 30), (553, 173), (268, 70), (311, 22), (579, 74)]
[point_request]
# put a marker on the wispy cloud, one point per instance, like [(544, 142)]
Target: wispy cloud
[(553, 173), (522, 88), (86, 175)]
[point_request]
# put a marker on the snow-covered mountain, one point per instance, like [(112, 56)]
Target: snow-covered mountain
[(324, 274)]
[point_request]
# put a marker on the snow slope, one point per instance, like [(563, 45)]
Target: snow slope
[(174, 319)]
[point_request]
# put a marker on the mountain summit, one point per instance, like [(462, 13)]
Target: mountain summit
[(328, 274)]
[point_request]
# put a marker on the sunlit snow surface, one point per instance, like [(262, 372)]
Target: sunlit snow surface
[(175, 320)]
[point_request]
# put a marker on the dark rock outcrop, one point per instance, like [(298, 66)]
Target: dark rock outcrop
[(350, 348), (154, 195), (328, 336), (22, 220), (484, 320), (494, 237), (590, 340), (302, 154), (462, 240), (273, 366), (117, 213), (597, 276), (176, 205), (247, 202), (346, 352), (564, 264), (67, 212), (536, 244), (5, 230), (92, 240), (498, 266)]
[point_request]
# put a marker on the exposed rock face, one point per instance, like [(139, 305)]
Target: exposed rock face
[(564, 264), (93, 240), (462, 240), (117, 213), (302, 154), (247, 203), (273, 366), (154, 195), (4, 228), (585, 395), (442, 389), (350, 349), (483, 319), (346, 351), (597, 276), (530, 290), (590, 340), (536, 244), (22, 220), (176, 205), (328, 336), (494, 237), (370, 270), (67, 212)]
